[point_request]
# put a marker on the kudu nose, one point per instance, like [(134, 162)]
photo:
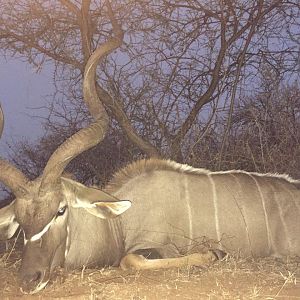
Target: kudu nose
[(32, 280), (32, 277)]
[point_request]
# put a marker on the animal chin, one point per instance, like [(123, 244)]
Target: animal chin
[(34, 287)]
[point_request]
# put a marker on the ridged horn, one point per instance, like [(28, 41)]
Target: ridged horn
[(9, 174), (90, 136)]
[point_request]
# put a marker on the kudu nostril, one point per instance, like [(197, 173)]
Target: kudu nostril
[(32, 277)]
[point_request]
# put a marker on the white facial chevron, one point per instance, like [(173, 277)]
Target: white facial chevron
[(42, 232)]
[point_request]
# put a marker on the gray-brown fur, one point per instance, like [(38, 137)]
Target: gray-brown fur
[(178, 197), (159, 217), (174, 209)]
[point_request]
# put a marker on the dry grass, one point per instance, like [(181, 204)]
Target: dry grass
[(234, 278)]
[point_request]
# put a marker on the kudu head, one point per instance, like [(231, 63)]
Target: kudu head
[(41, 206)]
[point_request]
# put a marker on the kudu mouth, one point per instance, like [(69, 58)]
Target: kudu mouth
[(34, 282)]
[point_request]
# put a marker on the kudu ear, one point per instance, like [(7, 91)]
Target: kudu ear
[(8, 223), (95, 201)]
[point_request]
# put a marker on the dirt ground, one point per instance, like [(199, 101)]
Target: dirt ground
[(229, 279)]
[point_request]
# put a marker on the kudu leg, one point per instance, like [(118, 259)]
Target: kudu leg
[(139, 262)]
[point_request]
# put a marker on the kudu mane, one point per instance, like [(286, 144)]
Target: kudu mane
[(146, 166)]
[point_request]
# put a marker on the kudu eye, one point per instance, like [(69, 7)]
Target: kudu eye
[(61, 211)]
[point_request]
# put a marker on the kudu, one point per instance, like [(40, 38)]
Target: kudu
[(168, 209)]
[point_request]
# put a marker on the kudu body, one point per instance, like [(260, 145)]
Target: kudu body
[(169, 208)]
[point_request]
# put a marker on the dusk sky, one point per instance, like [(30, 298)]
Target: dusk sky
[(21, 90)]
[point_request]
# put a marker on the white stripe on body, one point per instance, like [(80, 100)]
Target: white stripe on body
[(286, 231), (265, 211), (242, 211), (188, 205), (214, 193)]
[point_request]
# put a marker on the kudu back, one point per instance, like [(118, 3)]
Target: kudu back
[(170, 212)]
